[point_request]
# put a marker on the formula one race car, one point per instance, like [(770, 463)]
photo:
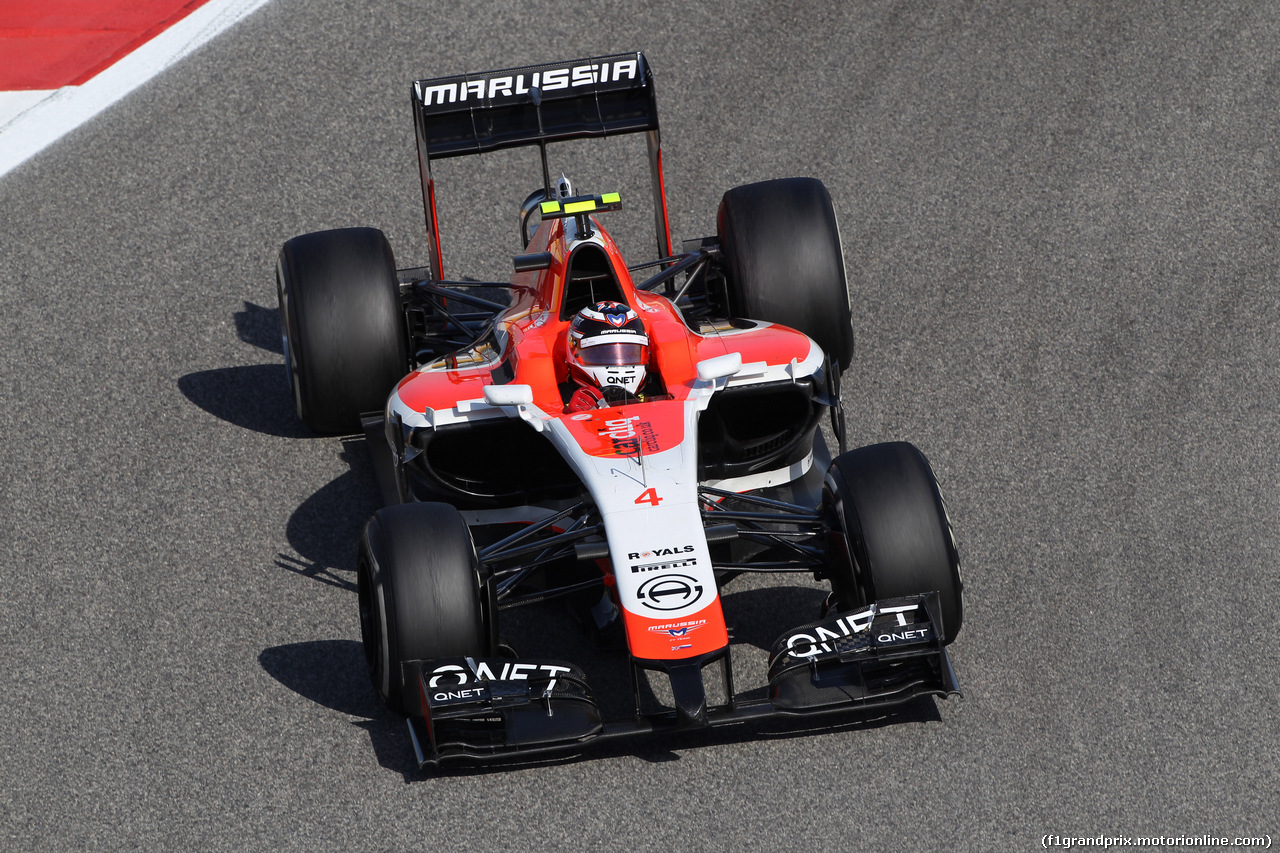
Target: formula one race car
[(634, 444)]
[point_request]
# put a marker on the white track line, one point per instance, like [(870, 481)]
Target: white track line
[(31, 121)]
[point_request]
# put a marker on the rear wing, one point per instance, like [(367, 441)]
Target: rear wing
[(535, 105)]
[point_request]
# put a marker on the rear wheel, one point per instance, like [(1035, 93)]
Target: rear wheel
[(345, 341), (784, 263), (421, 595), (890, 535)]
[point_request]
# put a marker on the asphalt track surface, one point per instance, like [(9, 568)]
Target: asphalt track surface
[(1060, 226)]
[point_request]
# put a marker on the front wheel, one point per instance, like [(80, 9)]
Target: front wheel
[(890, 535), (421, 595)]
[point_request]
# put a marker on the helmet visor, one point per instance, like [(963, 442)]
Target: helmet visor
[(604, 355)]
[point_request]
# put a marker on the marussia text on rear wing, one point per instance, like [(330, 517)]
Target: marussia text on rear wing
[(534, 105)]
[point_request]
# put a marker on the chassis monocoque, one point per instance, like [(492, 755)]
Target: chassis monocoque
[(499, 495)]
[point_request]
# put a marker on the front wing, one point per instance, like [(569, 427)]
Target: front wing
[(884, 655)]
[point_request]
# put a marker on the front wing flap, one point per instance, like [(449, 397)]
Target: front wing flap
[(477, 708), (885, 654)]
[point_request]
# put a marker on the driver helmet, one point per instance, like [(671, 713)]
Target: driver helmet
[(609, 348)]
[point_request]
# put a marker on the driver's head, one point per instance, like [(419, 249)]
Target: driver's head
[(609, 348)]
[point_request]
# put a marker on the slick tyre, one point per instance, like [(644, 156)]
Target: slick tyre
[(345, 340), (889, 532), (783, 261), (421, 596)]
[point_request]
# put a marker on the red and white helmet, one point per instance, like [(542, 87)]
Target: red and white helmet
[(609, 347)]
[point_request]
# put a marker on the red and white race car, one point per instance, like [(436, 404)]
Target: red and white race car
[(520, 465)]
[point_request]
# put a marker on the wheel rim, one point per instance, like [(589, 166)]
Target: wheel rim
[(373, 634), (290, 365), (290, 360)]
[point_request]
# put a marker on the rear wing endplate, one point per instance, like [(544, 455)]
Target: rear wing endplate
[(535, 105)]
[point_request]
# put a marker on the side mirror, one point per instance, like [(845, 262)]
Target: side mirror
[(508, 395), (718, 367)]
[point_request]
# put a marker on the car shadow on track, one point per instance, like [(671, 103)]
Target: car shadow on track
[(256, 397), (325, 528), (332, 673), (260, 326)]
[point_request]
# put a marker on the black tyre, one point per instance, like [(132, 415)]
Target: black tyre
[(421, 595), (890, 533), (345, 340), (783, 261)]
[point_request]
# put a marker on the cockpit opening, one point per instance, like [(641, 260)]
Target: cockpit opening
[(591, 279)]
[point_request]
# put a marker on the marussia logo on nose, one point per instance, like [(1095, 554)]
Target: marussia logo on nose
[(660, 552), (678, 629)]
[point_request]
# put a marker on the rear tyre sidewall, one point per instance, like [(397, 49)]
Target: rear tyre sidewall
[(421, 596), (345, 339), (891, 536), (783, 261)]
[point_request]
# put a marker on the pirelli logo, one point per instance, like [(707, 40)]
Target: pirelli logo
[(510, 84), (658, 567)]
